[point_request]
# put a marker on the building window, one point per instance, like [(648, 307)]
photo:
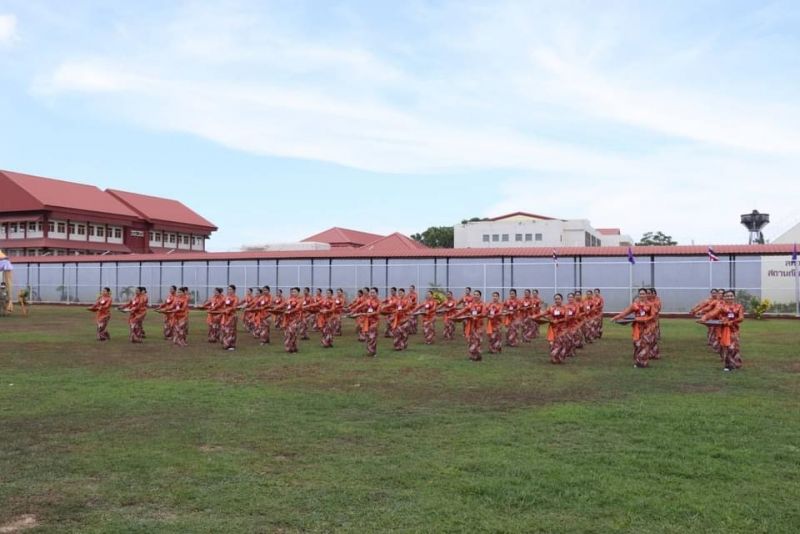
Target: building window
[(538, 237), (51, 226), (71, 228), (32, 227), (81, 229), (117, 233), (91, 230), (528, 237), (505, 237), (62, 228), (186, 240), (101, 231), (517, 237), (171, 238), (495, 237), (12, 228), (158, 236), (485, 238), (152, 236)]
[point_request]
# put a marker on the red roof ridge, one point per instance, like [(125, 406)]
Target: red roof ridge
[(55, 193), (337, 234), (24, 175), (394, 243), (609, 231), (525, 213)]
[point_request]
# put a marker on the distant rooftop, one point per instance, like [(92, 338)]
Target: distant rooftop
[(343, 237)]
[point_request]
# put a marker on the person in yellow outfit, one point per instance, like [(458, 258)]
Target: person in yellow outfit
[(7, 270)]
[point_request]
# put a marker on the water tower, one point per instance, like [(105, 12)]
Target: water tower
[(754, 222)]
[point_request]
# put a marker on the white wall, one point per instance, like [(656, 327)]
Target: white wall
[(617, 240), (531, 233)]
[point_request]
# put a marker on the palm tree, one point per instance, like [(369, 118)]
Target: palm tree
[(62, 290)]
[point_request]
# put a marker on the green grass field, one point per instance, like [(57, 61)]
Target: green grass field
[(151, 438)]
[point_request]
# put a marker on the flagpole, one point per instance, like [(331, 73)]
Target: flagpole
[(555, 277), (631, 262), (796, 281), (710, 279), (555, 272), (796, 290), (630, 281)]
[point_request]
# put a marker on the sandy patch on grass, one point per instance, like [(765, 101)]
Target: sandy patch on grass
[(23, 522)]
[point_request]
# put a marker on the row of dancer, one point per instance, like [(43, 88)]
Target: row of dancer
[(401, 311), (222, 309), (261, 310), (518, 316), (723, 316), (571, 325), (643, 314), (136, 308)]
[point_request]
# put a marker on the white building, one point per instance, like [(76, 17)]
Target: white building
[(522, 229)]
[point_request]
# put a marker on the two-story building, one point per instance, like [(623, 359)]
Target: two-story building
[(521, 229), (44, 216)]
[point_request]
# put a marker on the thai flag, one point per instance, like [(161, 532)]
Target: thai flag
[(794, 254), (555, 257), (711, 255), (631, 259)]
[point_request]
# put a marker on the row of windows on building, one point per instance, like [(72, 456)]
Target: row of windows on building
[(166, 238), (80, 231), (591, 241), (18, 230), (517, 237)]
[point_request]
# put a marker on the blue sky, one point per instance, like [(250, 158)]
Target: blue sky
[(279, 119)]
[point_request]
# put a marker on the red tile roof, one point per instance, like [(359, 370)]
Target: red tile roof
[(523, 214), (343, 236), (395, 243), (161, 210), (24, 192), (404, 251), (609, 231)]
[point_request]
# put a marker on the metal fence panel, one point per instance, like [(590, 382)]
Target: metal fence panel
[(681, 281)]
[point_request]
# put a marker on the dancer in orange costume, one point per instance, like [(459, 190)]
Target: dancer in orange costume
[(102, 309)]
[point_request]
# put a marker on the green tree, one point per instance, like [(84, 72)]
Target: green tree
[(474, 219), (656, 238), (436, 237)]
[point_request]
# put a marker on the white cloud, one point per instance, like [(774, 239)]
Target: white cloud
[(92, 77), (305, 123), (589, 109), (8, 28), (715, 119)]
